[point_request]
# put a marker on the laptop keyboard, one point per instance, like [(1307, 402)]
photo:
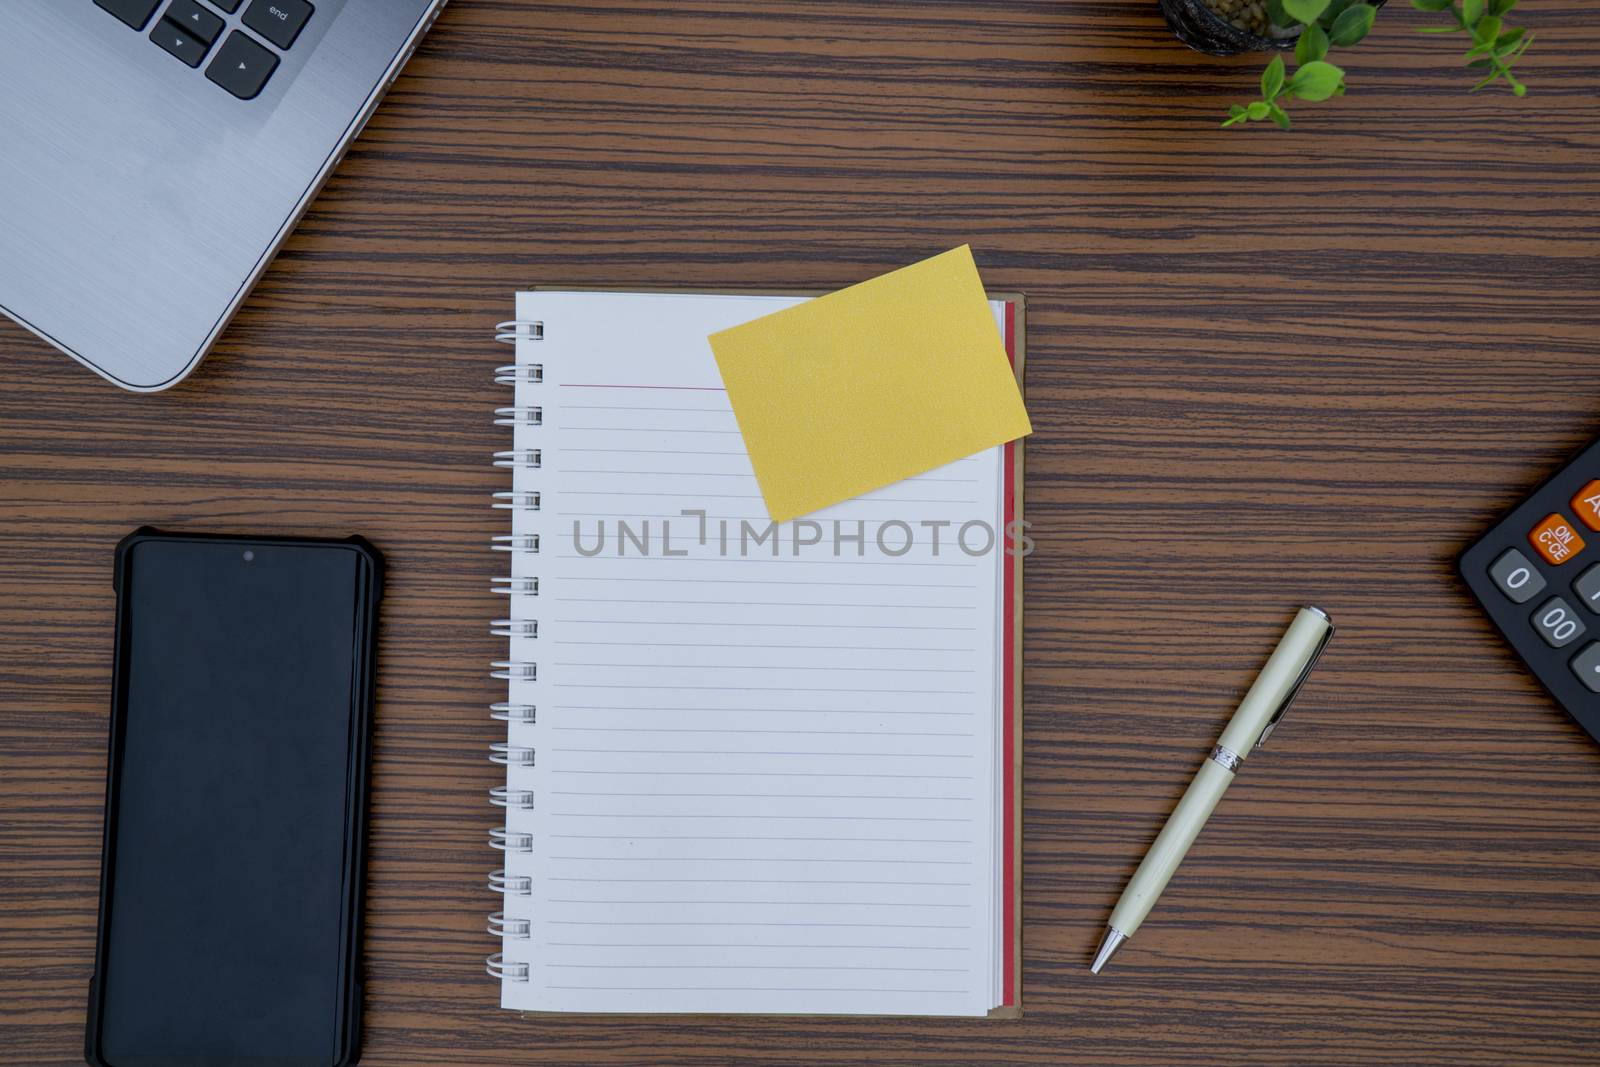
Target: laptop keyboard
[(189, 31)]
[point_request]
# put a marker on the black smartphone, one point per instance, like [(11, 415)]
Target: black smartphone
[(233, 866)]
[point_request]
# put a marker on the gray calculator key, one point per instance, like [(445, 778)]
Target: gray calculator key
[(1586, 665), (1588, 588), (1558, 623), (1520, 580)]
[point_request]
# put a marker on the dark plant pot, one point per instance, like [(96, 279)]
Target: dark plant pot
[(1206, 31)]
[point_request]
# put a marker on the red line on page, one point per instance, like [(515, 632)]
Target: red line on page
[(1008, 881), (690, 388)]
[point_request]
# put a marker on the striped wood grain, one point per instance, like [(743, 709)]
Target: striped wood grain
[(1264, 369)]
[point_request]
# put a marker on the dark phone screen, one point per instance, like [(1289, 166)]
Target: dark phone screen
[(232, 802)]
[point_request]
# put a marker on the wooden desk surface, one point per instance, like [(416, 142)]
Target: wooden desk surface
[(1264, 369)]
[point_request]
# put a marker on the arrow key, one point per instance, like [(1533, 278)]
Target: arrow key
[(242, 67), (178, 41), (201, 24)]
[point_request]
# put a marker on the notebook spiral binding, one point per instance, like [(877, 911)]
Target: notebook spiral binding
[(502, 838)]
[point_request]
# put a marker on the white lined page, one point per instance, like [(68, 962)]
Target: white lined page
[(765, 782)]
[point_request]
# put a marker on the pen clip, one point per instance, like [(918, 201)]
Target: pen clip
[(1294, 690)]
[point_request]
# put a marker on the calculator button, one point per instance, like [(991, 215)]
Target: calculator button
[(1558, 623), (1555, 539), (1520, 581), (1586, 665), (1587, 586), (1587, 505)]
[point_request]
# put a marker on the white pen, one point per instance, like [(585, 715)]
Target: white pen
[(1274, 690)]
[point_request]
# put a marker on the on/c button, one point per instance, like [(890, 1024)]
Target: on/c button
[(1555, 539)]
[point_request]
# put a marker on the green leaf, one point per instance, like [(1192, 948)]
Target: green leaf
[(1430, 5), (1258, 109), (1307, 11), (1487, 29), (1509, 38), (1334, 10), (1272, 78), (1312, 45), (1278, 15), (1317, 81), (1350, 27), (1279, 116), (1471, 11), (1501, 7)]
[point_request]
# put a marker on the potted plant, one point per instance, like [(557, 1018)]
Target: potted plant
[(1313, 28)]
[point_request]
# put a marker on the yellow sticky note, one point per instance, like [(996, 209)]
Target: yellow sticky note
[(858, 389)]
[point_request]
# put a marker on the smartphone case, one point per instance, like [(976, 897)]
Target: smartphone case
[(348, 1010)]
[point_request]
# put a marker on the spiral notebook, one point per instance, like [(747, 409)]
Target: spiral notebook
[(748, 768)]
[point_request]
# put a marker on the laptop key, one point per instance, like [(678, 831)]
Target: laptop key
[(176, 39), (134, 12), (242, 67), (230, 6), (199, 21), (279, 21)]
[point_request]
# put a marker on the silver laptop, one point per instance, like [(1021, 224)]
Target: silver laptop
[(155, 153)]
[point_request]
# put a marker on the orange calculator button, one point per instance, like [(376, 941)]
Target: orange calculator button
[(1556, 540), (1587, 505)]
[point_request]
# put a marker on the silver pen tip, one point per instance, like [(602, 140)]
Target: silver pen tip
[(1108, 948)]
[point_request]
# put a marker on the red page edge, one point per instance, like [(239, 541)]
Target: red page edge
[(1008, 700)]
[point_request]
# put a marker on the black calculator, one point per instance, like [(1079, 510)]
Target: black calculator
[(1537, 574)]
